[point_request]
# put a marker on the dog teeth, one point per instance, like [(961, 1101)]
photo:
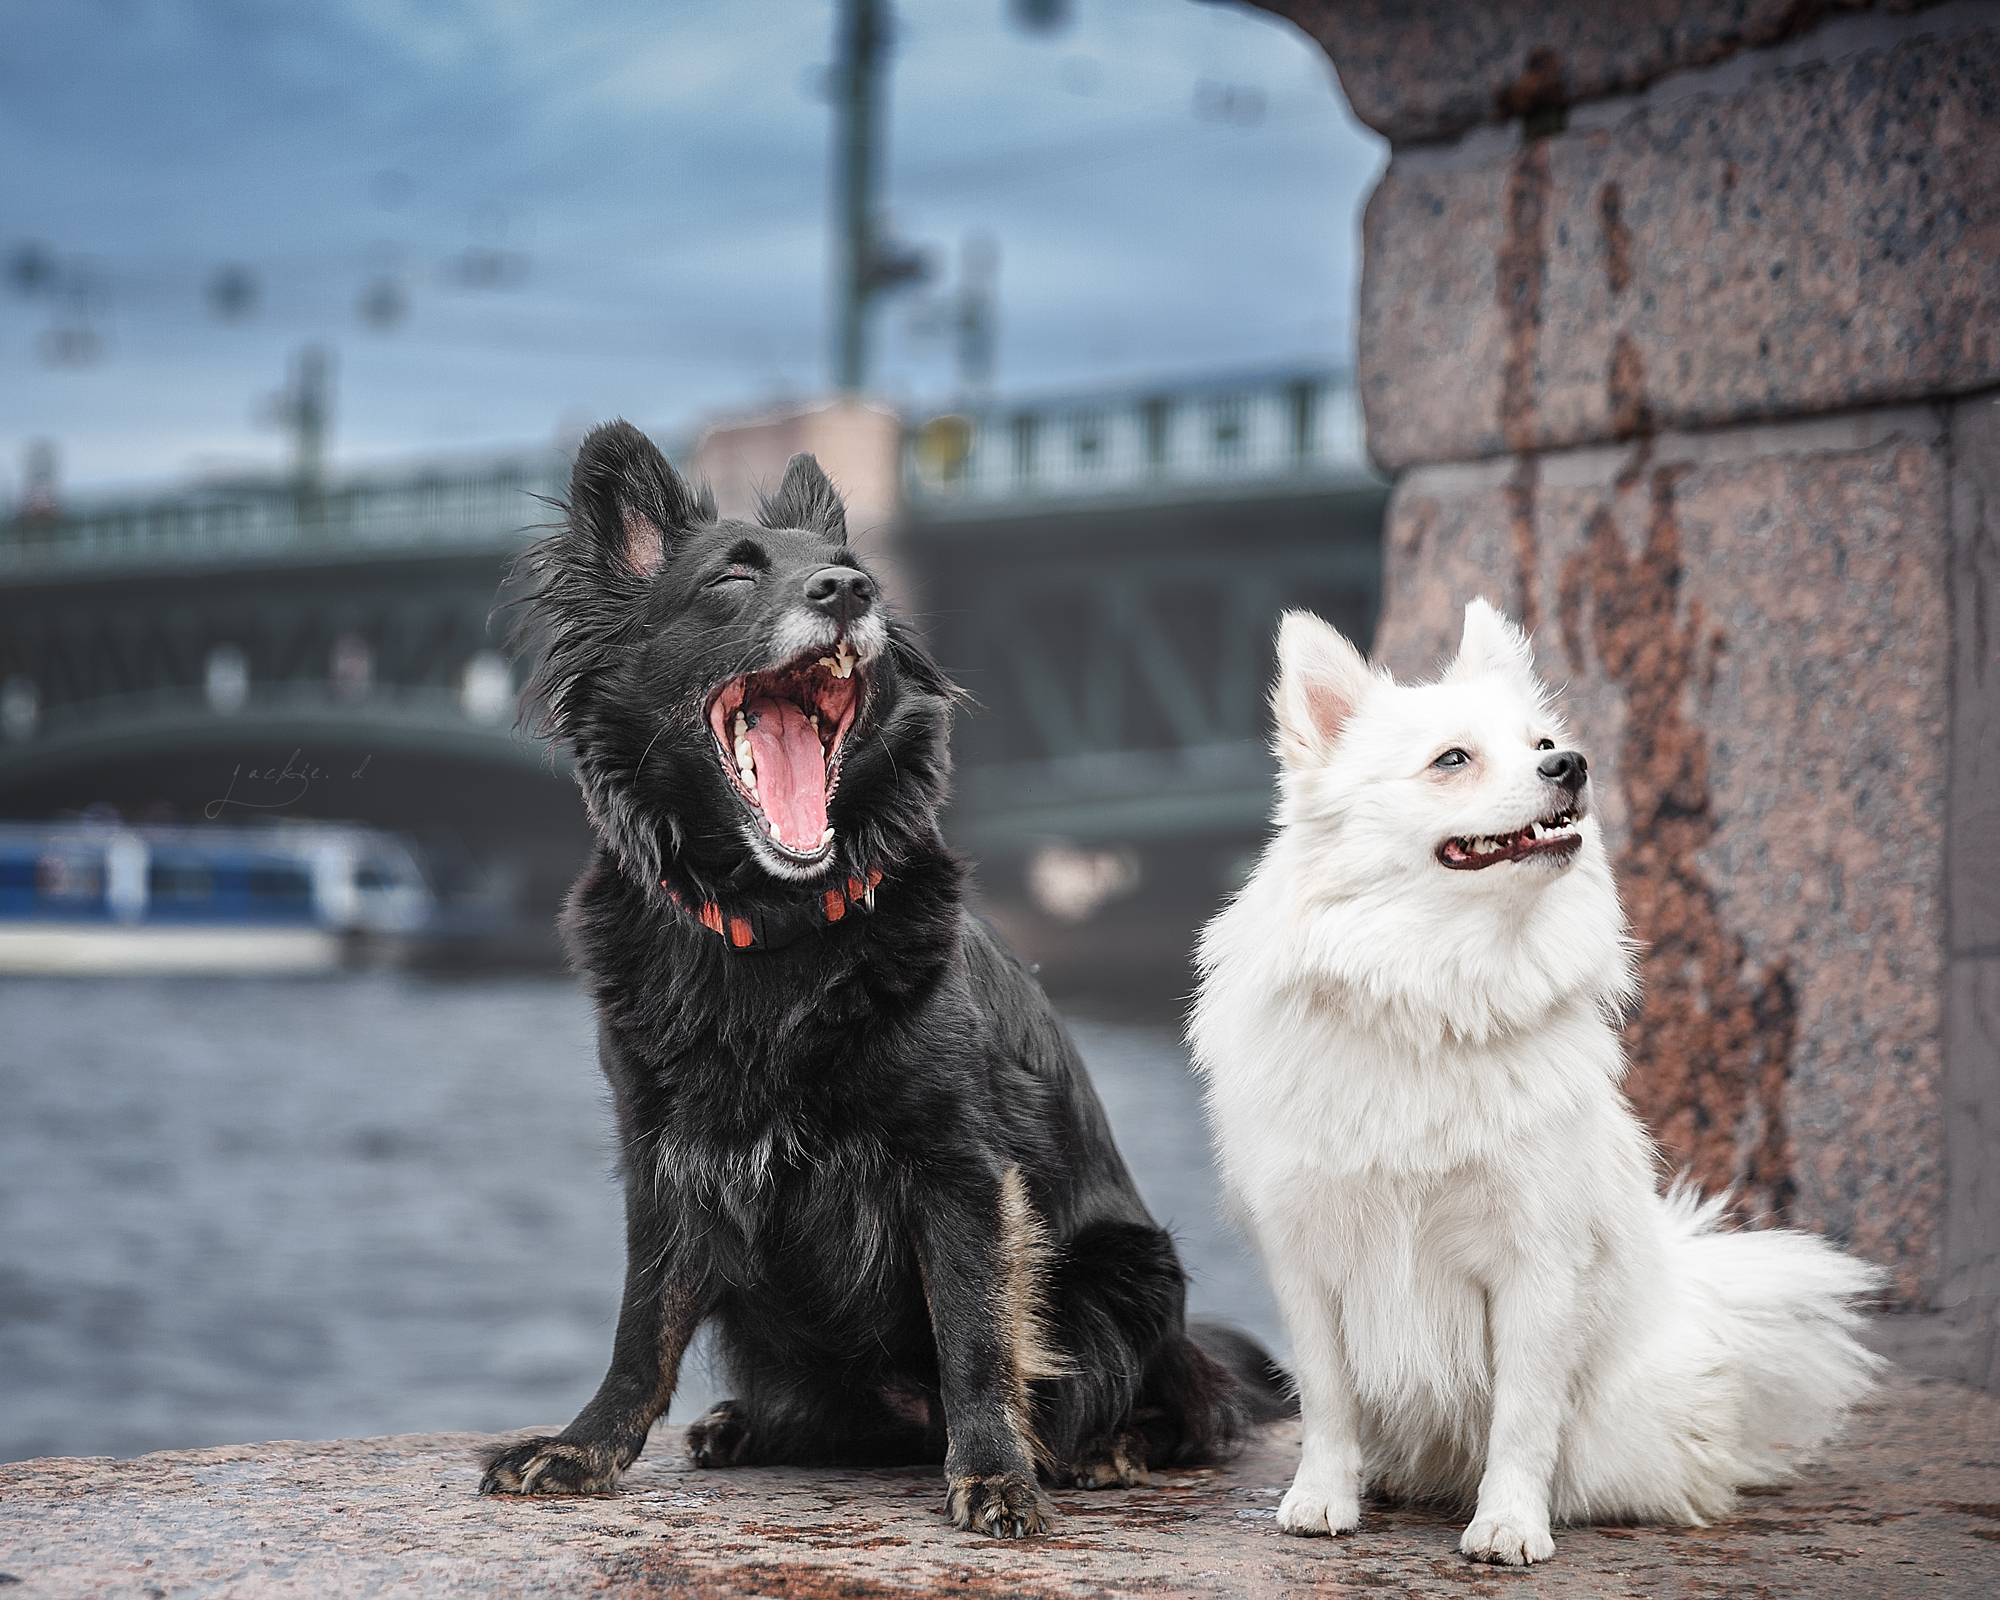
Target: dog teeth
[(1506, 843), (841, 662), (826, 839)]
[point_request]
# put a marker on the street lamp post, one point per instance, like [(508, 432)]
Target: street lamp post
[(866, 260)]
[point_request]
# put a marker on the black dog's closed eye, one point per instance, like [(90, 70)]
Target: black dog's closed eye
[(744, 562)]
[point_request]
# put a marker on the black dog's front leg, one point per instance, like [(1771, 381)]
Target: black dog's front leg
[(981, 1255), (661, 1310)]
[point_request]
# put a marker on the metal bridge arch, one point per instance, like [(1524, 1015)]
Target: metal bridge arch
[(368, 611)]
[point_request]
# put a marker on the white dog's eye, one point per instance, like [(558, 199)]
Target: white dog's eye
[(1451, 760), (1545, 744)]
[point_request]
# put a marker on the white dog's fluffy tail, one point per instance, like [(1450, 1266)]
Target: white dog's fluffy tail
[(1751, 1363)]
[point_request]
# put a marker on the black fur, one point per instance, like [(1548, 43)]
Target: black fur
[(816, 1138)]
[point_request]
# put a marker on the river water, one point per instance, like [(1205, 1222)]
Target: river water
[(234, 1210)]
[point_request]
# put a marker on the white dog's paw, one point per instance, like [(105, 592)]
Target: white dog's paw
[(1309, 1509), (1511, 1539)]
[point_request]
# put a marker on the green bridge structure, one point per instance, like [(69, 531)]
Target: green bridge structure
[(1101, 572)]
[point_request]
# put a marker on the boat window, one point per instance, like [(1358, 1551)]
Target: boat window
[(286, 883), (179, 881), (68, 877)]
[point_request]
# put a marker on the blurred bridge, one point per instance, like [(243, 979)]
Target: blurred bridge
[(365, 604), (237, 651), (1102, 573)]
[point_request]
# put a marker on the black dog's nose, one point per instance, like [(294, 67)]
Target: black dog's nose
[(1566, 767), (841, 592)]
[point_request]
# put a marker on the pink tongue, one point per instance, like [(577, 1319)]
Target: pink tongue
[(791, 772)]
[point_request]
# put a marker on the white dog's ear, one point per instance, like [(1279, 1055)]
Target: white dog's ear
[(1321, 679), (1491, 643)]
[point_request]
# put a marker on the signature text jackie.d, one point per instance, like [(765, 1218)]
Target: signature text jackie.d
[(274, 787)]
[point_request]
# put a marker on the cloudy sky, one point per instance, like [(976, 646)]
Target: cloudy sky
[(643, 187)]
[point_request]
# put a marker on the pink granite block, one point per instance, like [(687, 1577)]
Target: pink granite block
[(1906, 1508), (1822, 237), (1753, 632), (1418, 70)]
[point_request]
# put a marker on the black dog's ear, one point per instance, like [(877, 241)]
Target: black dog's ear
[(626, 503), (806, 499)]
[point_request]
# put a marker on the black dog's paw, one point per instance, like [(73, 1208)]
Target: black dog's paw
[(550, 1466), (1007, 1505), (716, 1438), (1115, 1460)]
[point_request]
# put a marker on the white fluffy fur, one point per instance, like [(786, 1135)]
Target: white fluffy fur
[(1412, 1077)]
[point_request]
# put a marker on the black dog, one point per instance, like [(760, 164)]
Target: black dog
[(854, 1134)]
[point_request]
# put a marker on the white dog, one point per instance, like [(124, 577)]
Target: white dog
[(1408, 1026)]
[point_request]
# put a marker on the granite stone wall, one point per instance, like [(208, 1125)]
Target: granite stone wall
[(1681, 335), (1812, 239)]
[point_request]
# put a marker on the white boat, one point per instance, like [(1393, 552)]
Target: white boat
[(295, 896)]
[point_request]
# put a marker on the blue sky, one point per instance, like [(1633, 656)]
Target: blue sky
[(662, 171)]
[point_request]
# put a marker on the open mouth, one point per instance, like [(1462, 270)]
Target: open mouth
[(1555, 836), (779, 734)]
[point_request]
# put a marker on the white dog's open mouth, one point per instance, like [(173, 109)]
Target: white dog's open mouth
[(779, 734), (1554, 836)]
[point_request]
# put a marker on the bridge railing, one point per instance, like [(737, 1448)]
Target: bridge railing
[(491, 505), (1170, 440)]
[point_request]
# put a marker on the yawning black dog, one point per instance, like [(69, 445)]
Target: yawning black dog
[(855, 1137)]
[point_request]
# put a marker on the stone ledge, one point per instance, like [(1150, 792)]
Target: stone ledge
[(1908, 1505), (1961, 1342), (1431, 70)]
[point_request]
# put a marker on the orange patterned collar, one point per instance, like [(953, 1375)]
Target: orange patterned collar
[(772, 930)]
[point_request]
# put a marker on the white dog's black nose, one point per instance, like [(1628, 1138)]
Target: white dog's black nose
[(1566, 767), (841, 592)]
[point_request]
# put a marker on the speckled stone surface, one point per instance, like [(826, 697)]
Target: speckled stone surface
[(1907, 1506), (1970, 1297), (1621, 257), (1753, 634), (1975, 806), (1820, 237), (1418, 70)]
